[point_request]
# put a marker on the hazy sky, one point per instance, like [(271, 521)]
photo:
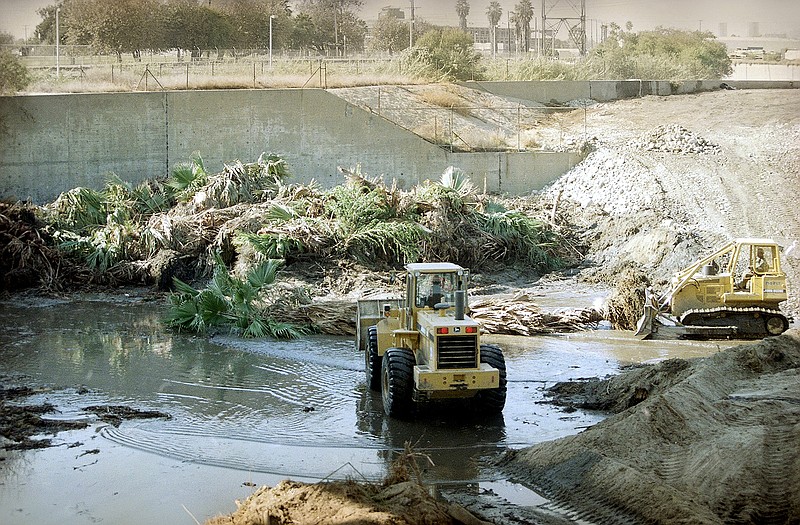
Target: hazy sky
[(773, 16)]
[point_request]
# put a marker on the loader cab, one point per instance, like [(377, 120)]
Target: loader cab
[(432, 287)]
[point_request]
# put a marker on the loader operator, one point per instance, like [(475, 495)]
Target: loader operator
[(435, 295)]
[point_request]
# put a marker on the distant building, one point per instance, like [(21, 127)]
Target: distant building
[(792, 54), (752, 29), (392, 12), (723, 29)]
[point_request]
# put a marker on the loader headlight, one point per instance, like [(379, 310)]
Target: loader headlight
[(442, 330), (471, 329)]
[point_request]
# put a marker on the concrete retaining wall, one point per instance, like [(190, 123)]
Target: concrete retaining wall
[(52, 143), (560, 91)]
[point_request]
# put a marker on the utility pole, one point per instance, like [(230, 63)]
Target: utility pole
[(544, 25), (271, 18), (508, 31), (411, 27), (58, 51)]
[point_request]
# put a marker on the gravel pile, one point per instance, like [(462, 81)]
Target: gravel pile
[(613, 182), (675, 139)]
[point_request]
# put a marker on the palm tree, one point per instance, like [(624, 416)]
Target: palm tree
[(462, 10), (493, 13), (515, 22), (525, 15)]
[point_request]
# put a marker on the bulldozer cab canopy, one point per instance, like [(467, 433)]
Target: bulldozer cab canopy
[(742, 255)]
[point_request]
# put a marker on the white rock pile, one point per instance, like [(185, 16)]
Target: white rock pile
[(675, 139)]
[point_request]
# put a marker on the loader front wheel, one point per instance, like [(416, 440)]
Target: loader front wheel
[(372, 361), (397, 385), (493, 401)]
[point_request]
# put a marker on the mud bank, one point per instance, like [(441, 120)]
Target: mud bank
[(711, 440)]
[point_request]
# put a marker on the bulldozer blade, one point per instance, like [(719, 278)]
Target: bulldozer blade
[(644, 327)]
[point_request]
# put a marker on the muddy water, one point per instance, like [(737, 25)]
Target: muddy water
[(247, 413)]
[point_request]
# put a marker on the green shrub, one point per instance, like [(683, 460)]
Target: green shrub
[(13, 74), (447, 54)]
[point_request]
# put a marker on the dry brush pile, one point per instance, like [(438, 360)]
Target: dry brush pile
[(246, 227)]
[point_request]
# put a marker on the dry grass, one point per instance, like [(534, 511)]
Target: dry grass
[(220, 75)]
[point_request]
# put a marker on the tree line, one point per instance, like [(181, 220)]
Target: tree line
[(327, 27), (332, 28), (133, 26)]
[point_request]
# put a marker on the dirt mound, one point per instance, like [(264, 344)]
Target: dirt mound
[(708, 441), (401, 499), (344, 502), (718, 166)]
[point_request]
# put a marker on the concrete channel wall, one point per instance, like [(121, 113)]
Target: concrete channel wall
[(52, 143), (563, 91)]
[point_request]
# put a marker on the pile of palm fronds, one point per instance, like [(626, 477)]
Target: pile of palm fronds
[(27, 254), (626, 303), (246, 215), (521, 316)]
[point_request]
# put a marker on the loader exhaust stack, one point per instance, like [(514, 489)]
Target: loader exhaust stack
[(461, 304)]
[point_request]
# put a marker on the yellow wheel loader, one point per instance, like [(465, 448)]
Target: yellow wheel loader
[(425, 347), (732, 293)]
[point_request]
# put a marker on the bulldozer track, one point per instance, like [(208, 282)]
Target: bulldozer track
[(673, 466), (780, 453), (738, 317)]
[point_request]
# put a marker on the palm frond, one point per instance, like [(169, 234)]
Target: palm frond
[(78, 209), (526, 239), (458, 181), (264, 274), (188, 177), (280, 212), (184, 288), (390, 241)]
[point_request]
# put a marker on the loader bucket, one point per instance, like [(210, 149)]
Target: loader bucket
[(644, 327)]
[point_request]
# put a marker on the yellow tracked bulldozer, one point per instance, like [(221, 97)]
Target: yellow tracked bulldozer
[(732, 293), (425, 347)]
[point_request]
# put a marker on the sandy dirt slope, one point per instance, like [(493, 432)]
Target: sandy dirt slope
[(649, 195)]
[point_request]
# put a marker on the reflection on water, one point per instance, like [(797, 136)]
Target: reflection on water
[(292, 409)]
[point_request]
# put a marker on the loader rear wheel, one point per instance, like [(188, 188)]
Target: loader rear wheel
[(398, 381), (494, 400), (776, 325), (372, 361)]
